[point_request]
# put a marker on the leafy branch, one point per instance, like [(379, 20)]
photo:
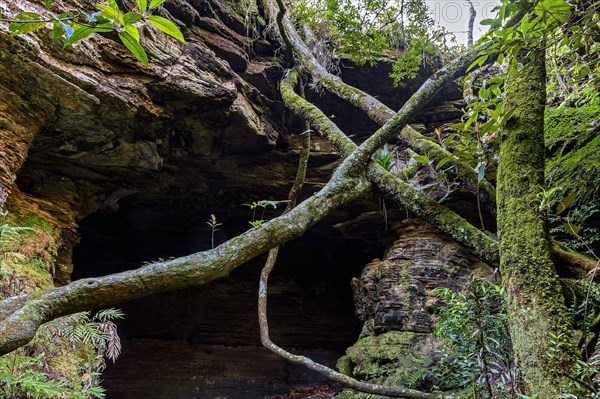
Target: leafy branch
[(73, 27)]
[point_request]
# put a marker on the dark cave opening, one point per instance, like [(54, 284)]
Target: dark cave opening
[(204, 342)]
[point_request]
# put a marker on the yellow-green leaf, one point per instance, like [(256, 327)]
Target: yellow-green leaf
[(142, 5), (24, 27), (571, 228), (131, 18), (166, 26), (135, 47), (111, 13), (132, 30), (113, 4), (156, 3)]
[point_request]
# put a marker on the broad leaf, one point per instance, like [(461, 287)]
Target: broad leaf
[(571, 229), (132, 30), (166, 26), (16, 28), (81, 32), (156, 3), (569, 199), (444, 161), (111, 13), (142, 5), (478, 62), (113, 4), (135, 47), (57, 30), (422, 159), (131, 18), (494, 23)]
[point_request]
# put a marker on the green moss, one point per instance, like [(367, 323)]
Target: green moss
[(28, 262), (539, 318), (574, 149), (388, 359)]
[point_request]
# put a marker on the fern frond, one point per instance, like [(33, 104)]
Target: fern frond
[(108, 314)]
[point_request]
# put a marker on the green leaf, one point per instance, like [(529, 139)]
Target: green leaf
[(16, 28), (166, 26), (444, 161), (422, 159), (57, 30), (569, 199), (131, 18), (111, 13), (494, 23), (113, 4), (132, 30), (47, 3), (81, 32), (142, 5), (494, 80), (135, 47), (450, 138), (471, 119), (156, 3), (478, 62)]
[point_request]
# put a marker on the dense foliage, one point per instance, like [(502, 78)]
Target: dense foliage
[(366, 31)]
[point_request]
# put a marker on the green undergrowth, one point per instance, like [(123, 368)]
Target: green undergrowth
[(66, 355)]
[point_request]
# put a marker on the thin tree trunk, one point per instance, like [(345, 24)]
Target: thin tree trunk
[(472, 15)]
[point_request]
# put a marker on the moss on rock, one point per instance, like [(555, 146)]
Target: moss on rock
[(573, 146), (390, 359)]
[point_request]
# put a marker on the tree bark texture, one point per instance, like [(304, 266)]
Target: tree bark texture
[(540, 327)]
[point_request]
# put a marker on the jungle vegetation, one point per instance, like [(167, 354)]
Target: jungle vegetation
[(537, 53)]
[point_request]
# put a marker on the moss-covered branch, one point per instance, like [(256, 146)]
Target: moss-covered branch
[(444, 219), (21, 316), (381, 114), (447, 221), (403, 193)]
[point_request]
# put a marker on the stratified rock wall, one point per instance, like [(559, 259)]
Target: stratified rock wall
[(394, 301)]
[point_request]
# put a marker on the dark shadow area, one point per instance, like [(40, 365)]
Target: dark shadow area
[(204, 342)]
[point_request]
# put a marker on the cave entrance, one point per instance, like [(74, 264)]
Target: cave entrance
[(204, 342)]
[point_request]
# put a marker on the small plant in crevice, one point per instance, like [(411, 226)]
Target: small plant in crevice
[(384, 157), (214, 225), (262, 205), (477, 354)]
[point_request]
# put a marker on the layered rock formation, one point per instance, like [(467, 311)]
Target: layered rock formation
[(394, 301)]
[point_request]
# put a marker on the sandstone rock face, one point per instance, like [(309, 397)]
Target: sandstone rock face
[(394, 301), (394, 294)]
